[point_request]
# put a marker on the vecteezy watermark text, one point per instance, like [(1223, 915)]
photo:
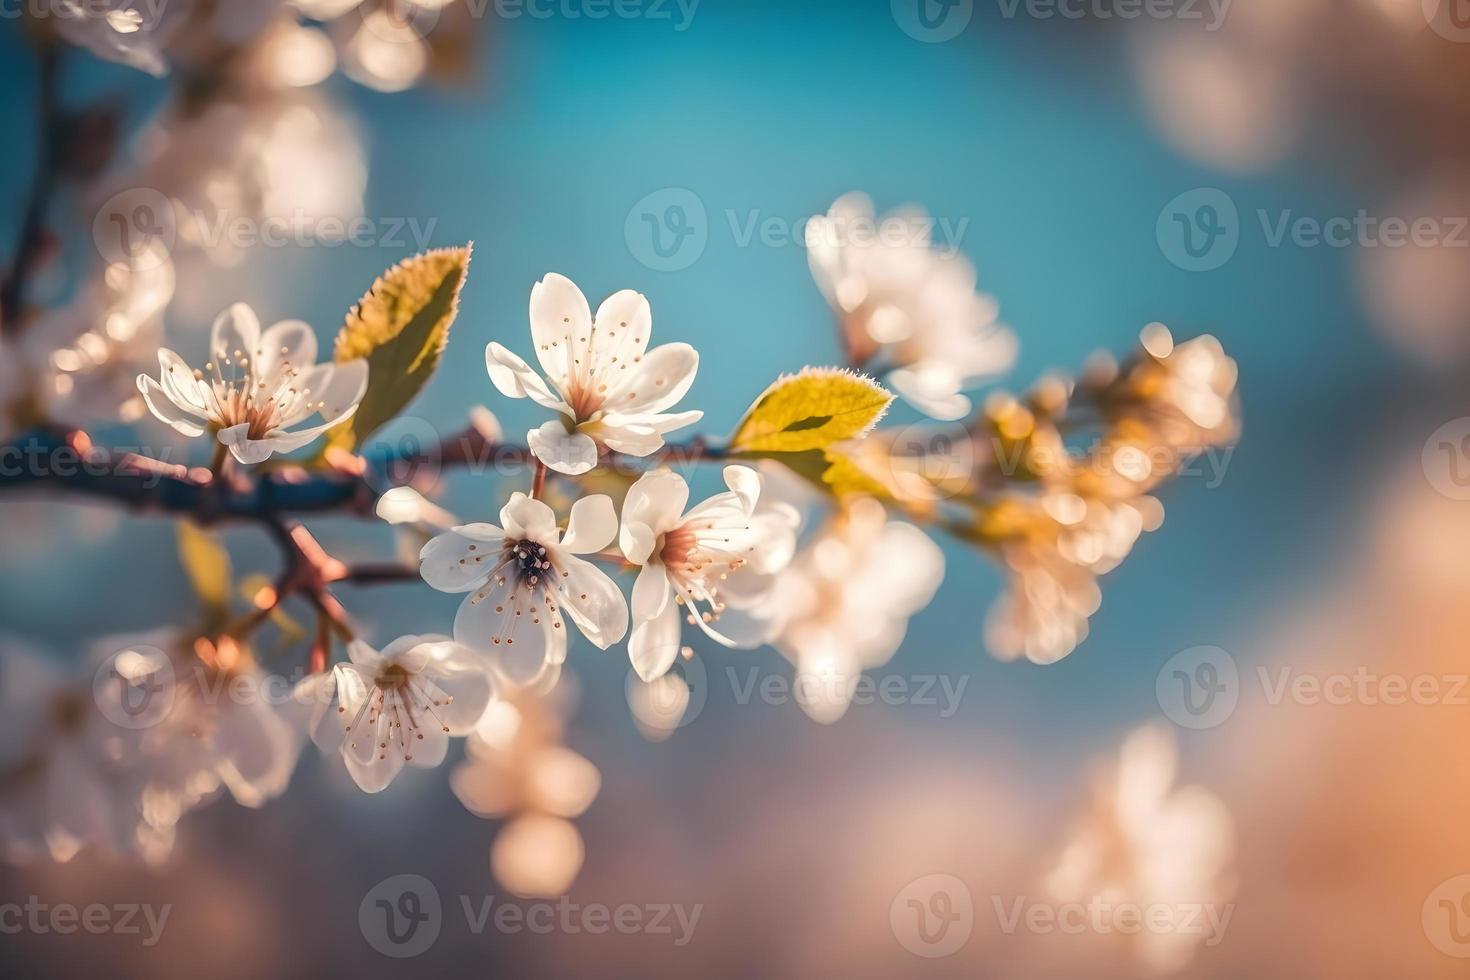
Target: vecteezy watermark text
[(1103, 916), (65, 919)]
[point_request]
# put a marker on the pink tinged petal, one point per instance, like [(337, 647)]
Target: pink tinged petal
[(592, 525), (237, 328), (654, 644), (176, 417), (288, 342), (428, 751), (656, 500), (572, 453), (520, 645), (460, 559), (655, 382), (324, 724), (410, 653), (514, 378), (376, 774), (526, 517), (650, 592), (561, 323), (595, 602), (260, 752), (637, 541)]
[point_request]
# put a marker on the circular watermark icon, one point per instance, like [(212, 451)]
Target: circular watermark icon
[(1199, 230), (667, 230), (134, 688), (408, 450), (1198, 687), (932, 21), (1446, 459), (1450, 19), (931, 461), (399, 21), (1446, 916), (401, 916), (933, 916), (135, 227)]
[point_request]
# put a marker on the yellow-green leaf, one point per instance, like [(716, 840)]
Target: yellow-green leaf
[(401, 326), (811, 410), (207, 564)]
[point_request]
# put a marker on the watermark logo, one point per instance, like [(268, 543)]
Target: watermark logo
[(134, 688), (1102, 916), (1446, 459), (1199, 230), (401, 916), (1446, 917), (1450, 19), (933, 916), (932, 21), (124, 919), (930, 460), (667, 231), (1199, 687), (135, 227)]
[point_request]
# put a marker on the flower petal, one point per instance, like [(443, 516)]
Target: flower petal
[(620, 331), (592, 525), (248, 451), (637, 541), (520, 645), (595, 602), (290, 342), (572, 453), (514, 378), (179, 383), (236, 329), (166, 410), (656, 500), (526, 517), (641, 435), (655, 382), (650, 592), (462, 674), (460, 559), (654, 644), (561, 324)]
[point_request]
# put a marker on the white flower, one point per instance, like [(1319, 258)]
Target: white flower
[(844, 604), (130, 32), (610, 389), (520, 576), (67, 781), (259, 384), (898, 296), (1145, 842), (685, 558), (399, 706)]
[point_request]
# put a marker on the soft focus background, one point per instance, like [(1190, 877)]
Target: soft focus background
[(1328, 544)]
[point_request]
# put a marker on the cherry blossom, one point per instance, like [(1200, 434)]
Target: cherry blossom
[(610, 389), (258, 385)]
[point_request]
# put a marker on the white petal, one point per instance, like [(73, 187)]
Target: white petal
[(525, 517), (745, 483), (248, 451), (946, 406), (179, 383), (595, 602), (592, 525), (464, 675), (654, 644), (637, 541), (656, 500), (378, 773), (364, 655), (572, 453), (176, 417), (237, 328), (460, 559), (519, 645), (620, 332), (561, 324), (332, 391), (641, 435), (288, 342), (650, 592), (514, 378), (657, 381)]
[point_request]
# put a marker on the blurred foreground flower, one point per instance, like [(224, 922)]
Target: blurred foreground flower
[(1142, 841)]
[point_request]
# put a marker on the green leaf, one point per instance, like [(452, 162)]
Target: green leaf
[(401, 326), (207, 564), (811, 410)]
